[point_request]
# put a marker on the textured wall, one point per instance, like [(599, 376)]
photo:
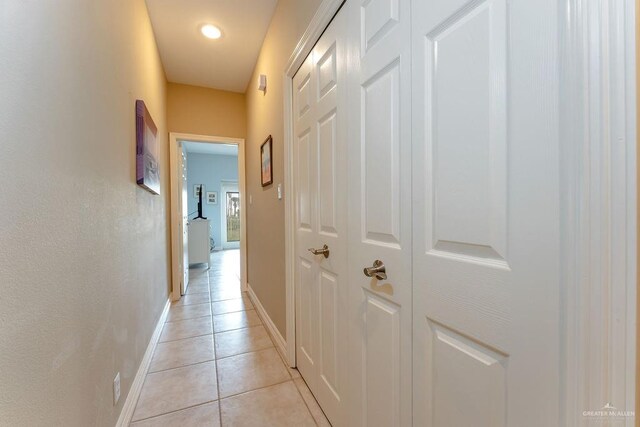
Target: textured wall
[(202, 111), (638, 215), (265, 217), (210, 170), (83, 253)]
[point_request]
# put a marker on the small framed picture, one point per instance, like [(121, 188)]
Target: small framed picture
[(266, 163), (196, 190), (212, 197)]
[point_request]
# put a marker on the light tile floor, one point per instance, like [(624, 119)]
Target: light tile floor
[(216, 364)]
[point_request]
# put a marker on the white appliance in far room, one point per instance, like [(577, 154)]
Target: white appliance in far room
[(199, 231)]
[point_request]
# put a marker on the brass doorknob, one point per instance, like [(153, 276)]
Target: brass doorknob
[(323, 251), (378, 270)]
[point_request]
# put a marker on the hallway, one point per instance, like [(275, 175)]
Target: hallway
[(216, 364)]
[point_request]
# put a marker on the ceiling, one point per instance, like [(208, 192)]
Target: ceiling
[(190, 58), (208, 148)]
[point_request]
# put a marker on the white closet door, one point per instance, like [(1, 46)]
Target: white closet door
[(380, 211), (320, 144), (486, 193)]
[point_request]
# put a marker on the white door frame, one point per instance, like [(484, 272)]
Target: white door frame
[(320, 21), (225, 185), (599, 182), (175, 140), (597, 114)]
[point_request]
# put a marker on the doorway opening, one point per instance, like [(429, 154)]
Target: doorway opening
[(208, 213), (230, 215)]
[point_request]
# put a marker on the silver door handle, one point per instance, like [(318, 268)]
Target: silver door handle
[(324, 251), (378, 270)]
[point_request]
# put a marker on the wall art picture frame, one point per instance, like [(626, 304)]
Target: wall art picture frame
[(196, 190), (147, 160), (266, 162), (212, 197)]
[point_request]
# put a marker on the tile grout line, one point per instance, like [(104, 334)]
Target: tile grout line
[(247, 352), (193, 303), (239, 329), (188, 318), (293, 380), (305, 401), (228, 312), (213, 336), (290, 379), (146, 377), (183, 366), (259, 388), (298, 390), (174, 411), (185, 338)]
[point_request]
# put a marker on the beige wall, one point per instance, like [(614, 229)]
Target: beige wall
[(266, 269), (83, 252), (638, 217), (201, 111)]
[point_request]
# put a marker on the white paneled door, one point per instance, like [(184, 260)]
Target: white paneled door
[(485, 225), (426, 160), (380, 212), (320, 141)]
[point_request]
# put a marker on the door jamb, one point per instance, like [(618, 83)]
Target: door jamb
[(598, 223), (320, 21), (176, 208)]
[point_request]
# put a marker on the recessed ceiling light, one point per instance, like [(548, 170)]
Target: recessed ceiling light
[(211, 31)]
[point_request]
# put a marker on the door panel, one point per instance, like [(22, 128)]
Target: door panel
[(327, 179), (329, 306), (319, 105), (379, 17), (306, 318), (380, 212), (469, 388), (381, 148), (304, 180), (485, 191), (469, 162), (382, 358)]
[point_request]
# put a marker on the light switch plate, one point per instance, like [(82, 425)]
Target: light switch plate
[(279, 191)]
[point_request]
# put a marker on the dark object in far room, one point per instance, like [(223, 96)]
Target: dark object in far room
[(200, 205)]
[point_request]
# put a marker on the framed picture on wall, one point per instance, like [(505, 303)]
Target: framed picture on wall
[(266, 162), (212, 197), (147, 164), (196, 190)]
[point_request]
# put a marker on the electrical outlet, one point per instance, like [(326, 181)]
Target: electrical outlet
[(116, 389)]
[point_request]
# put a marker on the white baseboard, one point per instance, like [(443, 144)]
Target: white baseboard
[(132, 398), (281, 344)]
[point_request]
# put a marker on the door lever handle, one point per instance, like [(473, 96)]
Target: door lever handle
[(323, 251), (378, 270)]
